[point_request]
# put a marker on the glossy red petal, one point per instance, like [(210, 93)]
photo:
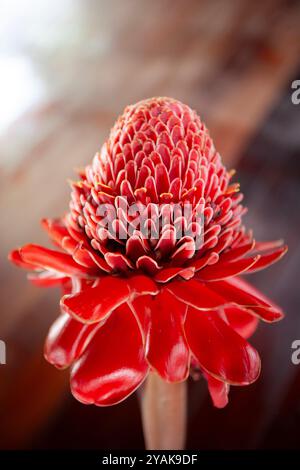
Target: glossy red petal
[(53, 260), (266, 260), (140, 307), (168, 351), (113, 365), (243, 322), (95, 302), (167, 274), (66, 340), (142, 285), (237, 253), (16, 258), (218, 391), (219, 349), (224, 270), (237, 290), (196, 294)]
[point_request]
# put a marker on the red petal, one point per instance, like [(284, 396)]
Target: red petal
[(147, 264), (239, 291), (142, 285), (161, 178), (218, 391), (185, 251), (118, 261), (219, 349), (113, 365), (66, 340), (53, 260), (243, 322), (208, 259), (195, 294), (55, 229), (266, 260), (167, 274), (81, 256), (268, 246), (166, 242), (16, 258), (237, 253), (223, 270), (99, 261), (94, 303), (69, 245), (168, 351), (135, 247), (142, 312)]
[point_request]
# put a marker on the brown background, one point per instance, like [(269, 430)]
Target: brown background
[(67, 69)]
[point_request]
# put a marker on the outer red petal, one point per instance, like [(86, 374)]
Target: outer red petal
[(239, 291), (266, 260), (94, 303), (168, 351), (196, 294), (219, 349), (142, 312), (142, 285), (167, 274), (227, 269), (237, 253), (113, 365), (66, 340), (218, 391), (54, 260), (243, 322), (15, 257), (55, 229)]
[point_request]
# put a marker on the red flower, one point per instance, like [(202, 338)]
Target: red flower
[(143, 293)]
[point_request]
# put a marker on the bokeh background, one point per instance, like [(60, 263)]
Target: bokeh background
[(67, 69)]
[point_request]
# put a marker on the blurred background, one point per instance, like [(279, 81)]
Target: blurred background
[(67, 69)]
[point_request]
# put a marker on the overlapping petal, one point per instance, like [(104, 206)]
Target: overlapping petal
[(105, 375), (66, 340), (161, 319), (218, 391), (221, 351), (196, 294), (95, 302), (44, 258), (243, 322), (237, 290)]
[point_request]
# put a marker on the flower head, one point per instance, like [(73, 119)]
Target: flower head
[(149, 260)]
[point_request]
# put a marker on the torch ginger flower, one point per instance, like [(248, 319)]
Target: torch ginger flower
[(162, 302)]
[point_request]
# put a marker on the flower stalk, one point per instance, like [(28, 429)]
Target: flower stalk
[(164, 413)]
